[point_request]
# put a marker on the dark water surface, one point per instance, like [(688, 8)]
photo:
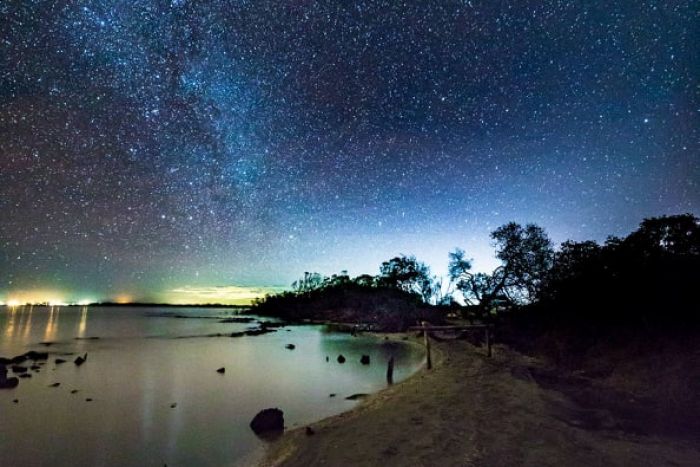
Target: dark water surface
[(140, 366)]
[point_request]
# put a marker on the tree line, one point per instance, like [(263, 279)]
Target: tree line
[(652, 267)]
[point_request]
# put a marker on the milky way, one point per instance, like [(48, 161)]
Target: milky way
[(149, 145)]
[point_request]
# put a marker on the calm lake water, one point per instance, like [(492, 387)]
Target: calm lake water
[(141, 365)]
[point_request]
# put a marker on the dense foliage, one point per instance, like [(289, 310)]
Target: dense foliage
[(644, 280), (392, 301)]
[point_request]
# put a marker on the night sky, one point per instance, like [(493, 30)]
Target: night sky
[(183, 150)]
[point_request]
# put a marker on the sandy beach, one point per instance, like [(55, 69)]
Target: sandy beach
[(471, 410)]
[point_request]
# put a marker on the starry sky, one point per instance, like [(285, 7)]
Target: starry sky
[(178, 150)]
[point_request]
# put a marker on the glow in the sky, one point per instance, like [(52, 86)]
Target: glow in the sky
[(154, 150)]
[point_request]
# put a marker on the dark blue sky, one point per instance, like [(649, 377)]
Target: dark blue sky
[(148, 146)]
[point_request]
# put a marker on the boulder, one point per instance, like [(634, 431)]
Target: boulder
[(19, 369), (8, 383), (364, 359), (341, 359), (268, 421)]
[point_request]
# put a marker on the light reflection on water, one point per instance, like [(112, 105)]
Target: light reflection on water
[(138, 368)]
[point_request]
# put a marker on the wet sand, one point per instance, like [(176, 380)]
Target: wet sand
[(471, 410)]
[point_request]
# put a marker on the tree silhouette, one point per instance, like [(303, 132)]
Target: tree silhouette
[(526, 256), (408, 274)]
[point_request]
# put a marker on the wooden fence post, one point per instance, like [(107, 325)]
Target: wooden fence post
[(390, 371), (488, 341), (426, 341)]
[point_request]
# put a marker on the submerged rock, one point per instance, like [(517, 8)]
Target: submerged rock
[(364, 359), (268, 421), (259, 331), (80, 360), (341, 359), (290, 346), (34, 355), (357, 396), (237, 320)]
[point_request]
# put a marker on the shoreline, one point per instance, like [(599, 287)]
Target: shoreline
[(278, 451), (472, 410)]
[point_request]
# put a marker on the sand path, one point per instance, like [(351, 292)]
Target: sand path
[(470, 410)]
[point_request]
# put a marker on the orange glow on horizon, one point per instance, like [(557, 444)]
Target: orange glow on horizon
[(123, 299)]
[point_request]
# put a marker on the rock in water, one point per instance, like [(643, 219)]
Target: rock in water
[(364, 359), (54, 385), (290, 346), (221, 370), (341, 359), (58, 361), (80, 360), (268, 421), (8, 383), (34, 355)]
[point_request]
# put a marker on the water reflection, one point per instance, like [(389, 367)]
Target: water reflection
[(137, 369), (82, 325), (28, 324), (10, 329), (52, 323)]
